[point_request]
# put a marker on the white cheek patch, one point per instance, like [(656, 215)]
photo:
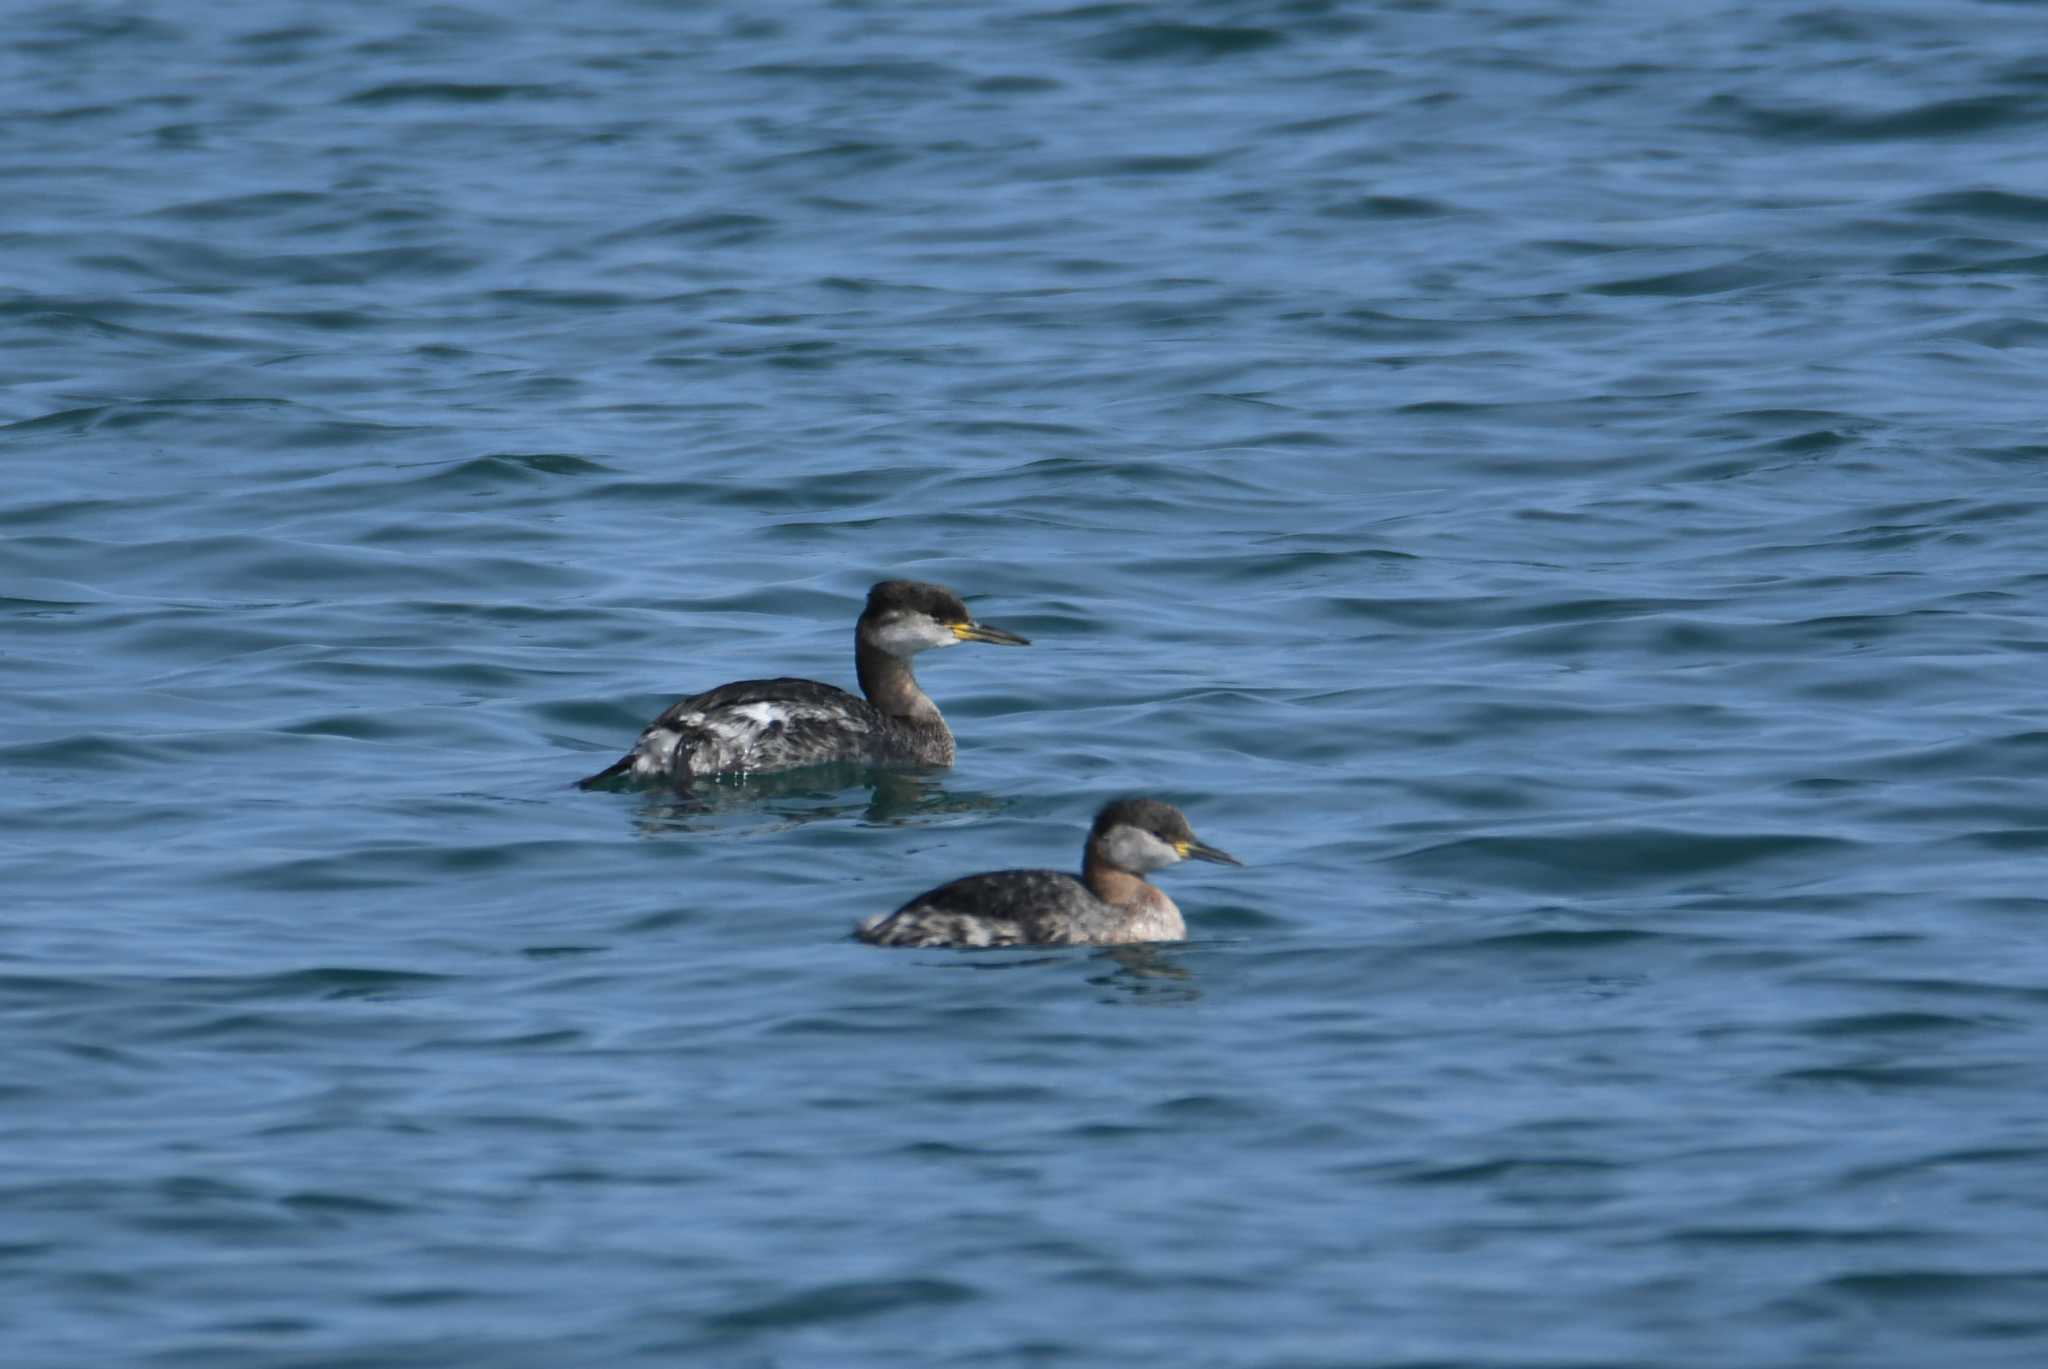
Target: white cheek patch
[(1133, 848), (908, 636)]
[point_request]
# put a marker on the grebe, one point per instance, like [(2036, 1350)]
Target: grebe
[(761, 725), (1110, 903)]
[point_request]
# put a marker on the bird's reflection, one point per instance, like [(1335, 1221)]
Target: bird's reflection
[(816, 793), (1146, 971)]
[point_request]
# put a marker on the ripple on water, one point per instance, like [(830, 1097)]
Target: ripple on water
[(1551, 487)]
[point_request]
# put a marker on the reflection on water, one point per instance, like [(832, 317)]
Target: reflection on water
[(1147, 970), (817, 793)]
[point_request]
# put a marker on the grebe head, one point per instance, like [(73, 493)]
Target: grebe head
[(1142, 835), (904, 617)]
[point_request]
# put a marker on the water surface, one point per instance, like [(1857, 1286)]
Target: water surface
[(1556, 489)]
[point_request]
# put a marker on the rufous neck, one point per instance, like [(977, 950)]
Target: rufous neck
[(1111, 884), (887, 681)]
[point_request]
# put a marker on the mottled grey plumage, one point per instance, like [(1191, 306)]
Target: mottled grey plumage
[(755, 726), (1109, 904)]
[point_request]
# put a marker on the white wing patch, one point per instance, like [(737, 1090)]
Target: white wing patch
[(737, 738), (656, 751)]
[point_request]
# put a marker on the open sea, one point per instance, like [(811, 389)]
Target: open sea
[(1558, 487)]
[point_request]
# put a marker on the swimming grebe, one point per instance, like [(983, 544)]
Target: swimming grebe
[(1110, 903), (761, 725)]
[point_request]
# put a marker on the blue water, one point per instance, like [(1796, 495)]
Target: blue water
[(1557, 488)]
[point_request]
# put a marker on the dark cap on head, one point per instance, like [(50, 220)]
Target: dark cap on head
[(918, 596), (1162, 820)]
